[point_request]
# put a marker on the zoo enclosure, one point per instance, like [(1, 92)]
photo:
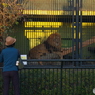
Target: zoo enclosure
[(72, 19), (77, 25)]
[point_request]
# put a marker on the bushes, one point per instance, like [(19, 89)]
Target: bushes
[(50, 82)]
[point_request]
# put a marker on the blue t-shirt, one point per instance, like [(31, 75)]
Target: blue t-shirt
[(9, 56)]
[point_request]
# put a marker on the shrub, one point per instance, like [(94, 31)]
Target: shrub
[(50, 81)]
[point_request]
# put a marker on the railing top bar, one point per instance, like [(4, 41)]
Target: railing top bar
[(53, 67), (58, 60), (87, 67)]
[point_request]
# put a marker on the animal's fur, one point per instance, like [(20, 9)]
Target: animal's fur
[(51, 45)]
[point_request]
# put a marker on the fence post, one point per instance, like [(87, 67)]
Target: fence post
[(61, 78)]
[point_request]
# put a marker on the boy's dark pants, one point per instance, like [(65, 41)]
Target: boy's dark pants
[(11, 76)]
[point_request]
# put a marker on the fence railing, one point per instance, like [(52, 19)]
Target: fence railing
[(56, 79)]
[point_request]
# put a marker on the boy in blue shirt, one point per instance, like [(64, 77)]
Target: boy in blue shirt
[(9, 56)]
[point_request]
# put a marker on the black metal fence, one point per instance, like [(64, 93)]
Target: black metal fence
[(73, 19), (56, 79), (59, 78)]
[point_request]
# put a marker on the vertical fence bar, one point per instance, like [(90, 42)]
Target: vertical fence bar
[(73, 9), (61, 78), (77, 29), (80, 29)]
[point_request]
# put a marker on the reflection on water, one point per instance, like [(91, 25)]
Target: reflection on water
[(23, 35)]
